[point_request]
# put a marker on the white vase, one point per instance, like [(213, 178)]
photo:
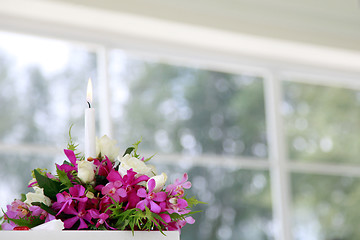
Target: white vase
[(88, 235)]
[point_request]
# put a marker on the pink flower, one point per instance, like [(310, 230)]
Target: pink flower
[(80, 215), (150, 198), (104, 167), (101, 218), (124, 188), (114, 190), (130, 184), (177, 188), (37, 211), (17, 209), (175, 205), (180, 224), (66, 167), (65, 199)]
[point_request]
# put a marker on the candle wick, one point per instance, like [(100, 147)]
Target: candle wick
[(89, 104)]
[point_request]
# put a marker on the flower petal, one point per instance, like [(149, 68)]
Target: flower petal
[(68, 223), (154, 207), (114, 176), (151, 184), (83, 225), (160, 197), (182, 203), (71, 156), (190, 220), (142, 192), (141, 205), (165, 217), (121, 192)]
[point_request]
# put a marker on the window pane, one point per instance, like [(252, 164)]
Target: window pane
[(187, 110), (325, 207), (42, 89), (16, 169), (239, 202), (42, 92), (322, 123)]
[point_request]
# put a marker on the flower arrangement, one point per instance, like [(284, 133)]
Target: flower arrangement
[(109, 192)]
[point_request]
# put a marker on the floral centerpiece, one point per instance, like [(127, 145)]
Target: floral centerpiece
[(109, 192)]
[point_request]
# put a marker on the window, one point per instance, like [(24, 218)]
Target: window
[(274, 154)]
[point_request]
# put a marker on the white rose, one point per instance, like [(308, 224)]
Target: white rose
[(128, 162), (107, 147), (37, 196), (159, 182), (85, 171)]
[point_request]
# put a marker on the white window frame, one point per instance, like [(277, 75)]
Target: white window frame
[(209, 48)]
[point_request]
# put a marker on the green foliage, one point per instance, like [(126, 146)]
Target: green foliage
[(26, 221), (193, 202), (134, 219), (64, 179), (51, 187), (23, 197), (73, 146), (149, 158), (136, 147), (134, 150), (128, 151)]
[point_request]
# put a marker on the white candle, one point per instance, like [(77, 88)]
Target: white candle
[(90, 139)]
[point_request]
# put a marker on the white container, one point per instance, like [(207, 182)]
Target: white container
[(88, 235)]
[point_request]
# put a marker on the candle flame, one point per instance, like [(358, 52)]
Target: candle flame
[(89, 92)]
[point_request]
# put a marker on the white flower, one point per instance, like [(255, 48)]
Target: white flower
[(138, 166), (37, 196), (107, 147), (85, 171), (159, 182)]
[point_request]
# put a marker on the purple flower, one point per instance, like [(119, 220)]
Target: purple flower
[(130, 184), (81, 214), (150, 198), (17, 209), (104, 167), (177, 188), (37, 211), (64, 199), (101, 218), (175, 205), (114, 190), (180, 224), (72, 158)]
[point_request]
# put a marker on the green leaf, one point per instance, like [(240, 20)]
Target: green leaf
[(27, 222), (73, 146), (149, 158), (64, 179), (136, 146), (128, 150), (23, 197), (193, 202), (51, 187)]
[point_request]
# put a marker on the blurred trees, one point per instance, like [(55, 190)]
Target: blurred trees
[(194, 112), (323, 126), (37, 108)]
